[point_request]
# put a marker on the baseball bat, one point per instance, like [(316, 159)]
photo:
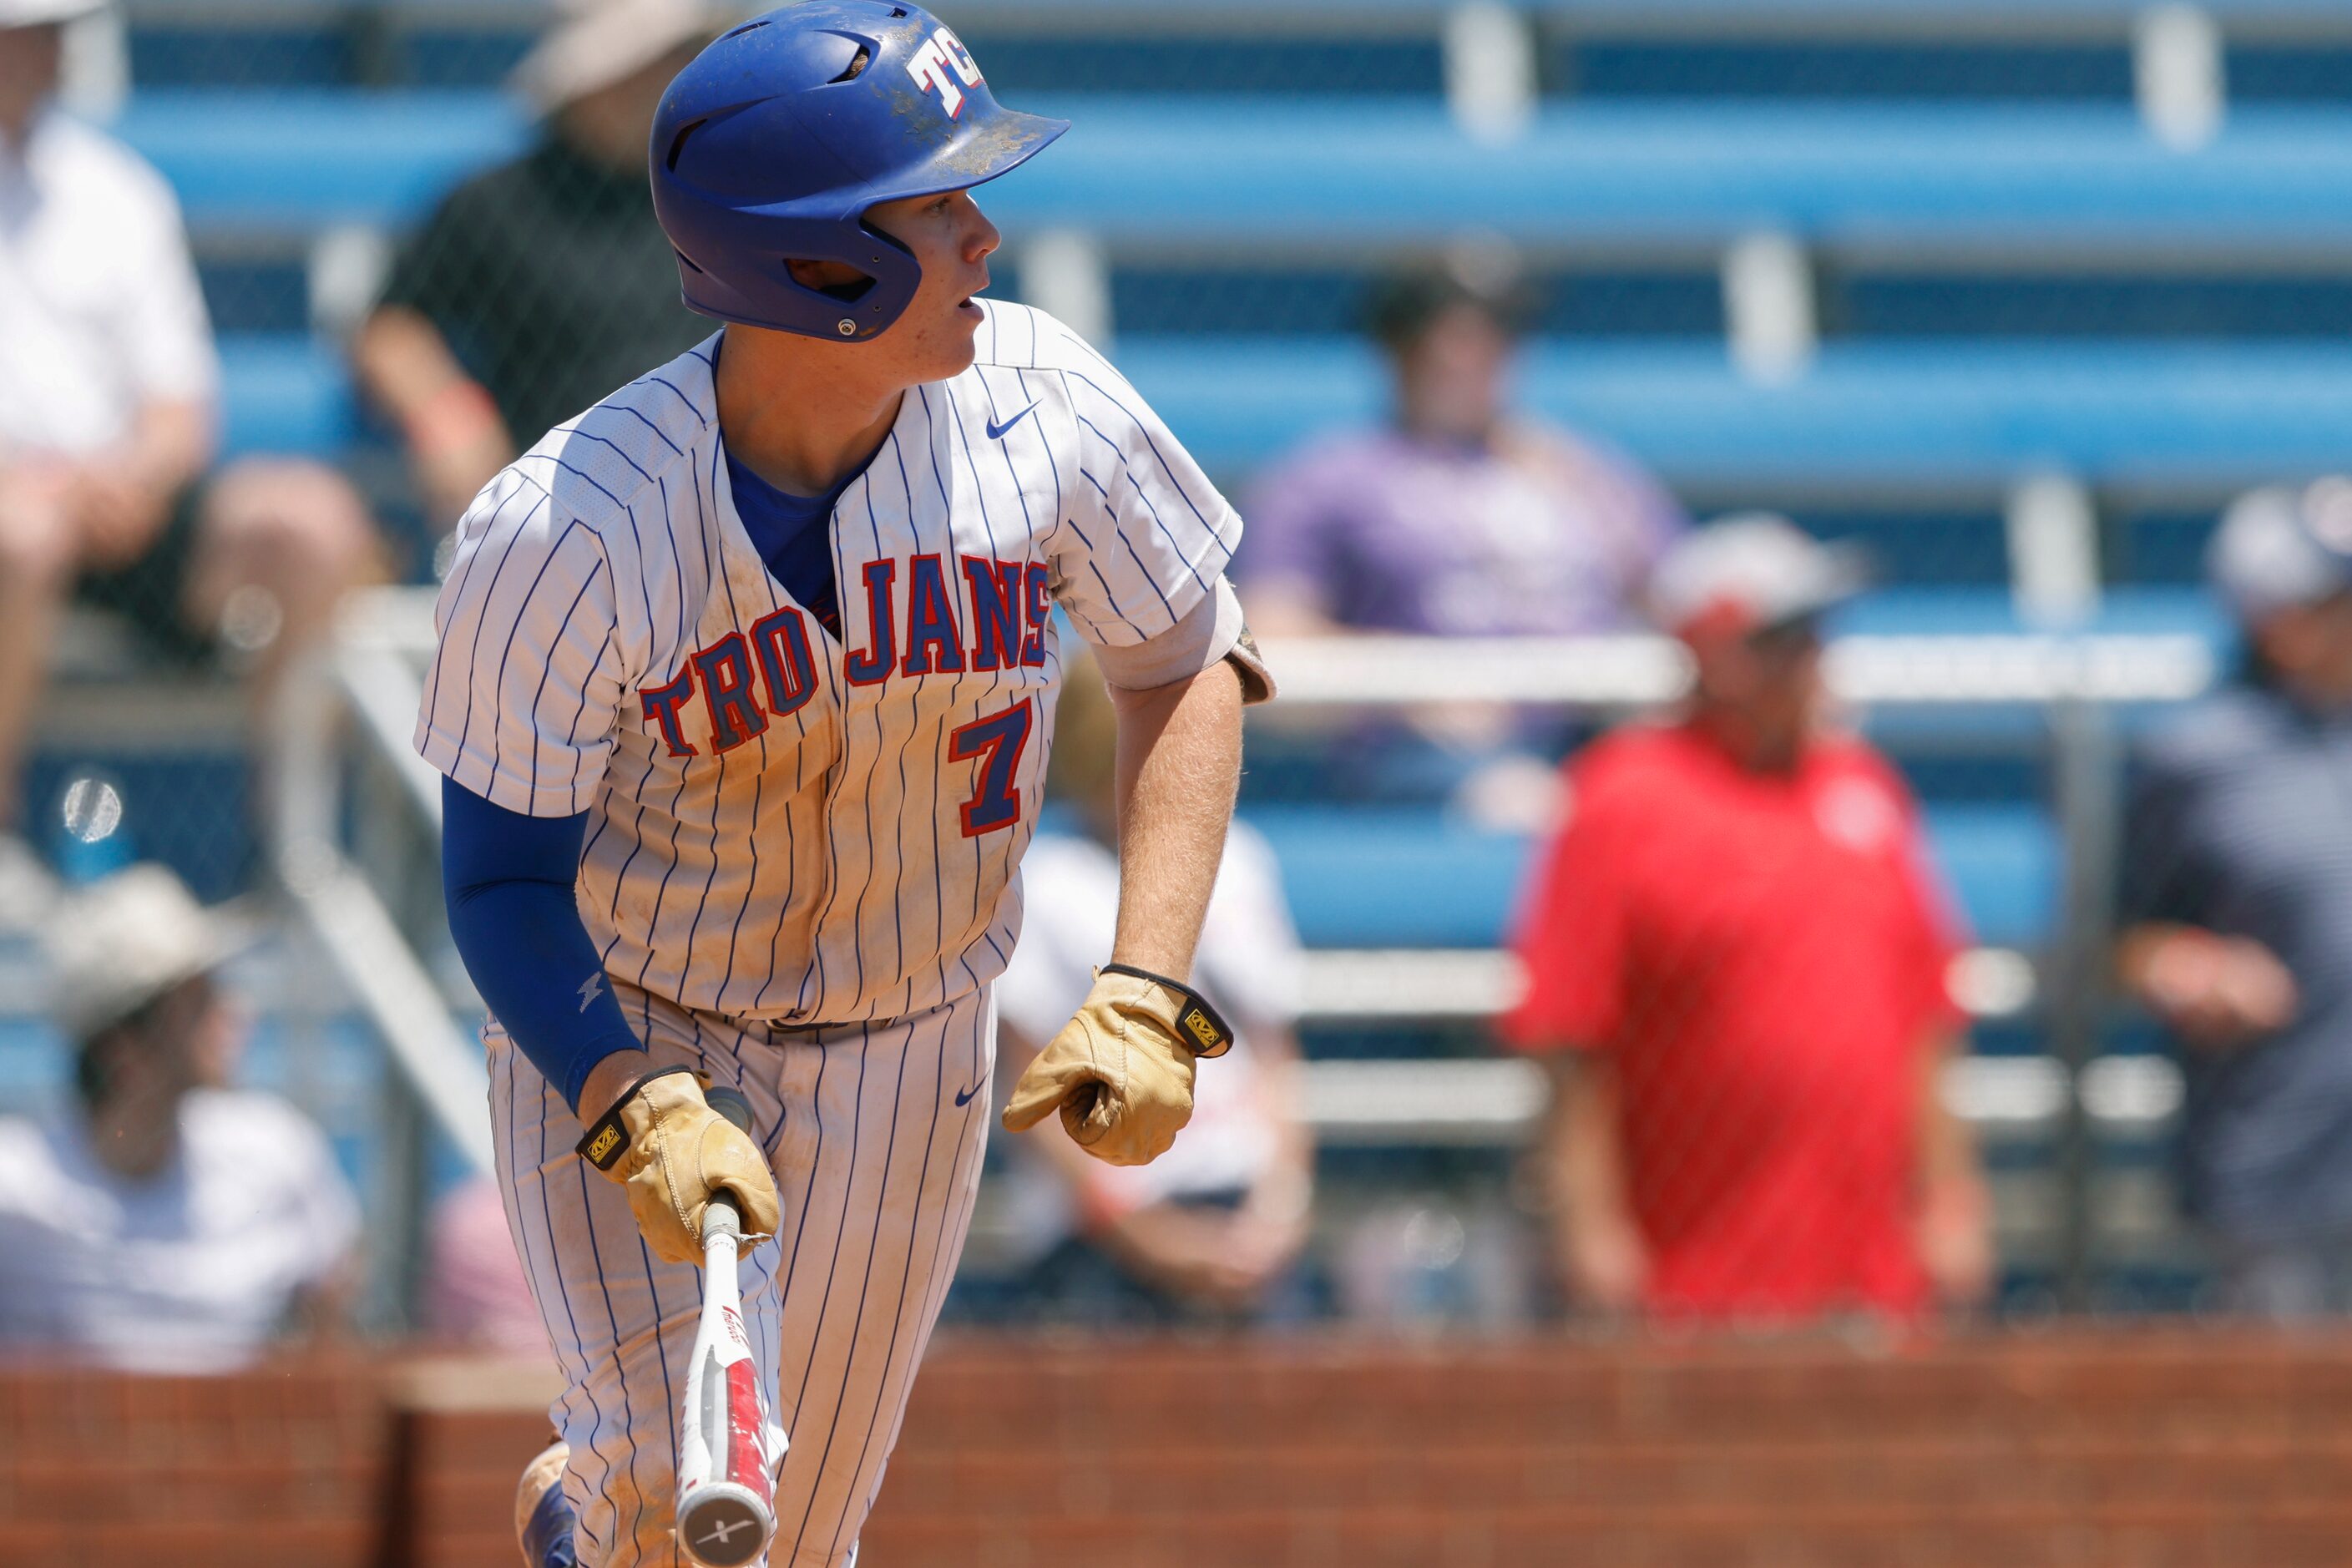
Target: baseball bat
[(726, 1503)]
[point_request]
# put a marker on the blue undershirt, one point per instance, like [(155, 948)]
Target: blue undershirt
[(508, 881), (793, 535), (509, 877)]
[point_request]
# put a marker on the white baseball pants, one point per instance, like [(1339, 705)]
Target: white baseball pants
[(875, 1133)]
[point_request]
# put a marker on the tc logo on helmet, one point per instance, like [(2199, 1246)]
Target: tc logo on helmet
[(941, 53)]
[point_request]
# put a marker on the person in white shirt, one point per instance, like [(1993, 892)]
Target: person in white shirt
[(109, 402), (165, 1224), (1211, 1231)]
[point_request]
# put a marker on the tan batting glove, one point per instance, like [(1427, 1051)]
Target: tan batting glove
[(670, 1151), (1121, 1070)]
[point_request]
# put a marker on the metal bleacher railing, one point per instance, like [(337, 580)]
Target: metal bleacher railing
[(1684, 142), (1401, 911)]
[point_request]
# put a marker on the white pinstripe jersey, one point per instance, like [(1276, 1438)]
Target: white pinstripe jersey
[(785, 825)]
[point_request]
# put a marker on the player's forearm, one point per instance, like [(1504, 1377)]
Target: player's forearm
[(1180, 759), (508, 881), (174, 444), (1583, 1158), (447, 417), (1949, 1169)]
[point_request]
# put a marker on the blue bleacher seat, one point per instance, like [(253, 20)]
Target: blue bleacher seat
[(1408, 878), (1896, 413), (287, 394), (1908, 611), (305, 160), (1965, 412), (1399, 168)]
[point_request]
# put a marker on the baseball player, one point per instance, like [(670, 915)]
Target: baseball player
[(744, 687)]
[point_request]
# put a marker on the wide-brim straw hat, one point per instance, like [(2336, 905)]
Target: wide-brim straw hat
[(594, 42)]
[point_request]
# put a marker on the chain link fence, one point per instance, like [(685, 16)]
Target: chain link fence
[(1952, 287)]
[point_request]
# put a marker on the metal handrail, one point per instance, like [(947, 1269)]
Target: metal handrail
[(387, 634)]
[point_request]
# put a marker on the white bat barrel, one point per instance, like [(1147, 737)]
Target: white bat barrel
[(726, 1512)]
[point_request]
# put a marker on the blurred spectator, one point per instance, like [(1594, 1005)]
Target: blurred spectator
[(1458, 518), (166, 1223), (1211, 1231), (2236, 905), (542, 285), (109, 401), (1736, 956), (476, 1295)]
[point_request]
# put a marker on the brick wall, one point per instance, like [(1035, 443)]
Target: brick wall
[(2141, 1450), (285, 1466)]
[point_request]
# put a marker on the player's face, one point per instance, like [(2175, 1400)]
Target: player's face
[(952, 239), (29, 58), (1769, 682), (1453, 379), (2310, 646)]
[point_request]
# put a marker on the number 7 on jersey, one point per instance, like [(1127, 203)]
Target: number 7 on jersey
[(998, 739)]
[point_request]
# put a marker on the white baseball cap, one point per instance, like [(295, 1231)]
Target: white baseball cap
[(1749, 572), (33, 13), (122, 942), (596, 43), (2280, 547)]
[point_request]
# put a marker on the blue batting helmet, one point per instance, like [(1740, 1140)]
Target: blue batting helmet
[(770, 146)]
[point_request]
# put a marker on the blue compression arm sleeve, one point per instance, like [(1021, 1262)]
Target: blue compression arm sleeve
[(508, 881)]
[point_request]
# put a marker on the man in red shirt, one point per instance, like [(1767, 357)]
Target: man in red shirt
[(1736, 953)]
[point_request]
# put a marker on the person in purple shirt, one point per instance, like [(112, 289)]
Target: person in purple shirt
[(1460, 517)]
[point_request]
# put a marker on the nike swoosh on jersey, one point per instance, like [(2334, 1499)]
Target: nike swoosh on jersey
[(996, 430), (963, 1096)]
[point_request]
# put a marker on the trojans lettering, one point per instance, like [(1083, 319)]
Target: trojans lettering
[(918, 624)]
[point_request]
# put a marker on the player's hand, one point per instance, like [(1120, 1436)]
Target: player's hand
[(1120, 1072), (119, 518), (2217, 992), (665, 1145), (1954, 1235), (1603, 1266)]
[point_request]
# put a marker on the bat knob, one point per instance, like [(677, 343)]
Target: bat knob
[(724, 1525), (732, 1104)]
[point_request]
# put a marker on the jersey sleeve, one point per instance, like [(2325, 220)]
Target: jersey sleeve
[(1299, 528), (525, 683), (330, 1212), (1149, 536), (167, 336), (2161, 871), (1573, 937), (1939, 930)]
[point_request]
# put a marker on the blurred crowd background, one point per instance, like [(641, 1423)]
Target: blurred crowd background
[(1816, 785)]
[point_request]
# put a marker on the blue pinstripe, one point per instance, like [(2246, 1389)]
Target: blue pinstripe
[(906, 1269), (836, 1335)]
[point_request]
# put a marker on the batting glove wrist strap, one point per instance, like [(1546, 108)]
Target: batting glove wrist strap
[(666, 1146), (607, 1138), (1120, 1071), (1200, 1028)]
